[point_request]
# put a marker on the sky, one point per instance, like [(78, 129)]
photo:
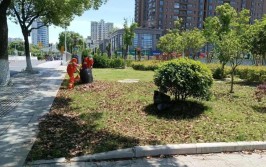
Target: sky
[(114, 11)]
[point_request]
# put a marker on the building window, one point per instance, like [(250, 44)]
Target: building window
[(146, 41), (177, 5)]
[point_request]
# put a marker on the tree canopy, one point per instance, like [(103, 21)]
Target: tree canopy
[(193, 40), (59, 13), (171, 42), (72, 39), (257, 34)]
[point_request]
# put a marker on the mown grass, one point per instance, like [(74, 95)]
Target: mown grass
[(108, 115), (119, 74)]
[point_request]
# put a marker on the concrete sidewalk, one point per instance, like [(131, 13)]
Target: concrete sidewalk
[(21, 105), (203, 160)]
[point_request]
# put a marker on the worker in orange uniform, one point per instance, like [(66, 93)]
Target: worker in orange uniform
[(88, 62), (86, 72), (71, 69)]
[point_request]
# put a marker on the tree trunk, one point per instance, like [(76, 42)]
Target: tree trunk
[(27, 50), (126, 52), (232, 80), (194, 55), (4, 64), (125, 57), (223, 64)]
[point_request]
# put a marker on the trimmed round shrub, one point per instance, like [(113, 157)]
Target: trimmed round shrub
[(184, 78)]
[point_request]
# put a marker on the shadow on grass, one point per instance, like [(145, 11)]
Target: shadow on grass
[(65, 82), (178, 110), (260, 109), (247, 83), (64, 134)]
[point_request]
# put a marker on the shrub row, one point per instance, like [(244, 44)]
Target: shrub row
[(248, 73), (105, 62), (150, 65)]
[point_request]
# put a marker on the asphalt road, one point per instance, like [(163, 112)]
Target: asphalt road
[(16, 66)]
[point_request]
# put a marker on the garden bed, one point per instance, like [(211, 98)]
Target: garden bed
[(109, 115)]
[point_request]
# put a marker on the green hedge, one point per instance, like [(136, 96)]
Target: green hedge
[(248, 73), (105, 62), (150, 65)]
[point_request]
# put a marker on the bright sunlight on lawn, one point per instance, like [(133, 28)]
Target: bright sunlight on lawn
[(108, 115)]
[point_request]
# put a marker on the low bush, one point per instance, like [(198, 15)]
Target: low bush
[(101, 62), (184, 78), (40, 57), (105, 62), (116, 63), (252, 73), (150, 65), (129, 63)]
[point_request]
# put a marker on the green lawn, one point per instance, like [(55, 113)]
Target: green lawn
[(109, 115), (119, 74)]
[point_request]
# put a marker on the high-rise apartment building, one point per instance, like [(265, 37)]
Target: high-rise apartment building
[(161, 14), (100, 31), (40, 36)]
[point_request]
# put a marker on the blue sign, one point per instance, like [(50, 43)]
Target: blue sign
[(156, 52)]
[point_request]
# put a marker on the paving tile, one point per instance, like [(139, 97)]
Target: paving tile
[(9, 159)]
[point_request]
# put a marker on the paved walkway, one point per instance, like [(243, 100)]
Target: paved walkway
[(21, 105), (207, 160)]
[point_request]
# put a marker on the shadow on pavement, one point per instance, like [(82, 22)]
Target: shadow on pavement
[(18, 126)]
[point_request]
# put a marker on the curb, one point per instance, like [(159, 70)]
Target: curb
[(170, 149)]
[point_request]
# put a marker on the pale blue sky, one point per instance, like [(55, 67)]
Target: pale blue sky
[(113, 11)]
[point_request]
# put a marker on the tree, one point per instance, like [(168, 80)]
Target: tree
[(128, 36), (73, 39), (108, 49), (230, 46), (235, 44), (59, 13), (16, 46), (240, 42), (194, 41), (171, 42), (35, 51), (211, 25), (257, 34), (4, 64), (218, 26)]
